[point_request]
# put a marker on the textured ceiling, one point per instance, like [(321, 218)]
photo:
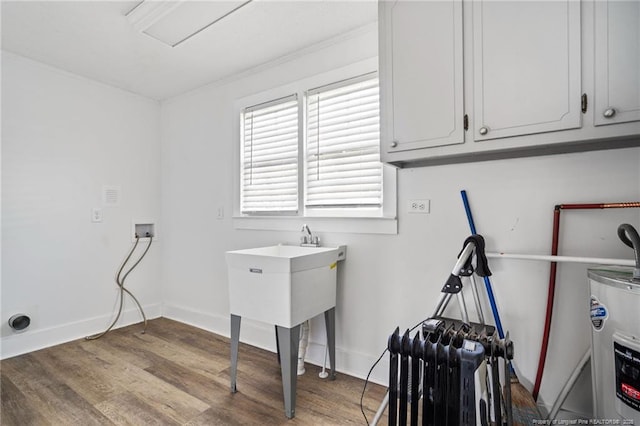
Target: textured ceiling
[(96, 40)]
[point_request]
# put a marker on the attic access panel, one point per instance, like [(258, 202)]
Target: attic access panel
[(174, 22)]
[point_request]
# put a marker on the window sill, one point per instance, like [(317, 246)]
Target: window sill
[(355, 225)]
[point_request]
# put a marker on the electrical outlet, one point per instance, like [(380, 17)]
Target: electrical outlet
[(220, 213), (419, 206)]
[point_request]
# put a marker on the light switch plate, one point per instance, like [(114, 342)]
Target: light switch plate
[(96, 215)]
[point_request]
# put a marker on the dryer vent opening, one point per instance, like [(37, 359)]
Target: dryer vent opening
[(19, 322)]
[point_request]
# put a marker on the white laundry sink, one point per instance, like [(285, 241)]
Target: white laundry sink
[(283, 285)]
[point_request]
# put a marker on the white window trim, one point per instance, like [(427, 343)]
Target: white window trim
[(384, 221)]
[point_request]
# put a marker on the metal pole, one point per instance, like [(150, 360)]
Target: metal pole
[(476, 298), (565, 259), (380, 412), (487, 281)]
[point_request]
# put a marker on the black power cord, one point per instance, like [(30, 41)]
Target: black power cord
[(123, 289), (366, 381)]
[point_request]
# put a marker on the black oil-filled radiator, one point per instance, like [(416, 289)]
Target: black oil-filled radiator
[(448, 373)]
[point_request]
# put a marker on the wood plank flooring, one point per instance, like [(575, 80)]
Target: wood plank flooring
[(174, 374)]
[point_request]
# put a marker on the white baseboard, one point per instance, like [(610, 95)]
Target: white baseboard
[(262, 336), (40, 338)]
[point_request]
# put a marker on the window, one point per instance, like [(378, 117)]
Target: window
[(270, 157), (315, 152), (343, 166)]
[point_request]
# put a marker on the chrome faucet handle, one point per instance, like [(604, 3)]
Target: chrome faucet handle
[(308, 239)]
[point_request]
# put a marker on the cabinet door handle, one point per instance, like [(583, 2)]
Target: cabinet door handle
[(483, 130), (394, 144), (610, 112)]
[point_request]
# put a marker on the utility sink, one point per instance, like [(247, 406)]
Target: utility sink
[(283, 284)]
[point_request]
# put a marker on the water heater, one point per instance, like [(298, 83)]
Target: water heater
[(615, 359)]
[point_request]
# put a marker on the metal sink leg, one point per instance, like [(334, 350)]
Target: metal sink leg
[(288, 341)]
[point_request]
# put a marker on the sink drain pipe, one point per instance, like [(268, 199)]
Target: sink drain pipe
[(302, 346), (553, 274)]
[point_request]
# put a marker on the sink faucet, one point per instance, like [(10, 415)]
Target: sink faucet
[(307, 239)]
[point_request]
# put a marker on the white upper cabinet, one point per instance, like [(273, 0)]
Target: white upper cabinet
[(421, 74), (617, 61), (526, 67), (470, 80)]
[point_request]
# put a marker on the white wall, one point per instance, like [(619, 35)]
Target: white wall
[(63, 138), (391, 280)]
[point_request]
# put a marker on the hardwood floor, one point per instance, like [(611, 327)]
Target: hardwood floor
[(174, 374)]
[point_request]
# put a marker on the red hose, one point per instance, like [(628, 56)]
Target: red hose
[(552, 277), (550, 297)]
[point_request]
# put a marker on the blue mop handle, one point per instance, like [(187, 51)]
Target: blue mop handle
[(487, 282)]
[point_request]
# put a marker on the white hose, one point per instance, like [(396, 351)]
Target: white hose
[(562, 396), (302, 347)]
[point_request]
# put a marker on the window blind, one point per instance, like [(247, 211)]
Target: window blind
[(343, 166), (270, 157)]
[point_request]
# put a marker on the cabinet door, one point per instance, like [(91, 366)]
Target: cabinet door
[(526, 63), (617, 61), (421, 74)]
